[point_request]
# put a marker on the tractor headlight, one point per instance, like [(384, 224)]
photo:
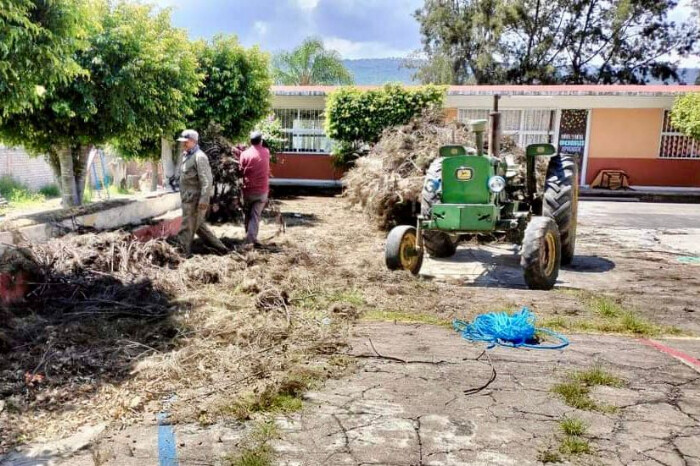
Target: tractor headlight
[(497, 184)]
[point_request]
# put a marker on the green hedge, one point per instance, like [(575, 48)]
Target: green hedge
[(686, 114), (359, 116)]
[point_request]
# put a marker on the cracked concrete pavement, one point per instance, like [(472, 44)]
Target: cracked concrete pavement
[(605, 229), (417, 413), (408, 403)]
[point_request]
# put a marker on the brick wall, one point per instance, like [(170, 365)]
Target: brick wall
[(35, 172)]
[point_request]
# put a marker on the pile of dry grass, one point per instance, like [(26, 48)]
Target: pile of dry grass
[(114, 326), (227, 200), (387, 183)]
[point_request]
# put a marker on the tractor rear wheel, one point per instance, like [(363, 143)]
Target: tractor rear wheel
[(561, 201), (432, 187), (541, 253), (401, 250), (438, 244)]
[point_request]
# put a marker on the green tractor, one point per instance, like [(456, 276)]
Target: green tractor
[(468, 192)]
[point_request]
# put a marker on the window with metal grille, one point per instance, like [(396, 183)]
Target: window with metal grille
[(676, 145), (303, 130), (530, 126)]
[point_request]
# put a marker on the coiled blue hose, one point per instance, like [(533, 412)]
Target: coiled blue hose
[(515, 330)]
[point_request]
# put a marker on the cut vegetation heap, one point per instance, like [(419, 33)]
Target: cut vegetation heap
[(112, 326), (388, 182), (226, 203)]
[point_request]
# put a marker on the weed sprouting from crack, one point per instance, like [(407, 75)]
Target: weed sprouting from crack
[(577, 389)]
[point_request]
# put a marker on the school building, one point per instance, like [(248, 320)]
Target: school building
[(608, 127)]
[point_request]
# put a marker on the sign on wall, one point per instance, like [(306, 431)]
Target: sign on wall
[(572, 133)]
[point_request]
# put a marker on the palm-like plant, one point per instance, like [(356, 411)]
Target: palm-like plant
[(310, 64)]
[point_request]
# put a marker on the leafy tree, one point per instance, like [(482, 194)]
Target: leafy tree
[(356, 118), (467, 33), (236, 90), (37, 43), (140, 81), (436, 70), (562, 41), (310, 64), (686, 114)]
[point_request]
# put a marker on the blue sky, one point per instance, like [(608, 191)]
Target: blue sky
[(355, 28)]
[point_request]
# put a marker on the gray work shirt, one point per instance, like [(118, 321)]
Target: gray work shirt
[(196, 180)]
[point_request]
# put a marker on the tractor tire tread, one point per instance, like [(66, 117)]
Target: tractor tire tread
[(438, 244), (429, 198), (560, 201)]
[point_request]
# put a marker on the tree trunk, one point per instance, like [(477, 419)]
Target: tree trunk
[(167, 159), (80, 167), (154, 175), (55, 164), (69, 193)]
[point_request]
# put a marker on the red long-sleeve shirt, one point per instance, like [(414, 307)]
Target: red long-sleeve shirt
[(255, 165)]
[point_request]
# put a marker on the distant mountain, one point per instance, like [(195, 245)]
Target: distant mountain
[(378, 71)]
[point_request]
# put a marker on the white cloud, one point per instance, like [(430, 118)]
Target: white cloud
[(307, 4), (261, 27), (370, 49)]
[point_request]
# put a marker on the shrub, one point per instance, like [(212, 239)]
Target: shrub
[(50, 190), (16, 192), (686, 114), (356, 116)]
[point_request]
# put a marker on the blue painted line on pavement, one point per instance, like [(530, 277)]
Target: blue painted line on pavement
[(167, 449)]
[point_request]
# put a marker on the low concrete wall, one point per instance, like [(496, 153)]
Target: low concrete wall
[(133, 212)]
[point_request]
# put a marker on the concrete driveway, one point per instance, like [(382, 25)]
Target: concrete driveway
[(607, 232)]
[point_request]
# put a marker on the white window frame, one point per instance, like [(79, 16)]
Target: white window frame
[(692, 142), (520, 132), (296, 134)]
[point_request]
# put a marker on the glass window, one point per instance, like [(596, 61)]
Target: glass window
[(303, 130), (530, 126)]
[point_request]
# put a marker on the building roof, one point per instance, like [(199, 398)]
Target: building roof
[(521, 90)]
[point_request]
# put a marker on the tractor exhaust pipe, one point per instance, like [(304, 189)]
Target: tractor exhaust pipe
[(495, 130), (478, 127)]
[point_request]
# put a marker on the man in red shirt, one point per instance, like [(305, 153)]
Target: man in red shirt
[(255, 166)]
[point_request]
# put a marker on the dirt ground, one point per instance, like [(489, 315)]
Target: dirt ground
[(639, 281)]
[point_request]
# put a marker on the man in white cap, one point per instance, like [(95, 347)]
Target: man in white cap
[(255, 166), (196, 189)]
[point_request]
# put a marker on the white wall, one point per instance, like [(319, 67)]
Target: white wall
[(35, 172)]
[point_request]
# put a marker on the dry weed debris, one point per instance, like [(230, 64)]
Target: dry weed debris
[(113, 326), (387, 183)]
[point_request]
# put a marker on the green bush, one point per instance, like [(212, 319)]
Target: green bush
[(50, 190), (357, 116), (16, 192), (686, 114)]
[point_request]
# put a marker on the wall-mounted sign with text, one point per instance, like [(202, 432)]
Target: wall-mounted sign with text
[(572, 133)]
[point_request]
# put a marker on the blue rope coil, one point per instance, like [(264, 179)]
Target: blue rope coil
[(515, 330)]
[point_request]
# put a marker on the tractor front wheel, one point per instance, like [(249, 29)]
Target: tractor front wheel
[(541, 253), (402, 251)]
